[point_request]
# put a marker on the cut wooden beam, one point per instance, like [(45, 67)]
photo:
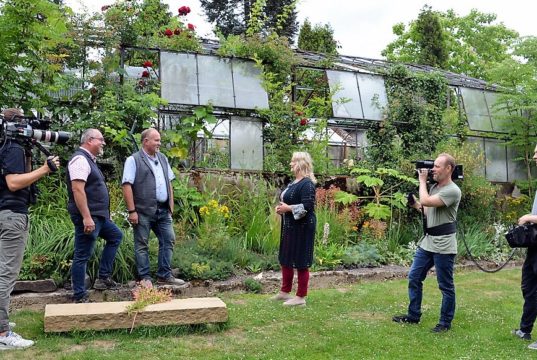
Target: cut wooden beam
[(113, 315)]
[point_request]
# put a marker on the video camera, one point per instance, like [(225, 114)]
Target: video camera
[(27, 128), (457, 173)]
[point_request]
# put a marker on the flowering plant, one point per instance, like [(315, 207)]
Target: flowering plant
[(213, 232), (145, 294)]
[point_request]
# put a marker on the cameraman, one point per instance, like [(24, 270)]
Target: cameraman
[(16, 194), (529, 280), (438, 246)]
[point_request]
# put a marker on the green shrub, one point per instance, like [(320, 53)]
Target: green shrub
[(253, 285), (361, 255)]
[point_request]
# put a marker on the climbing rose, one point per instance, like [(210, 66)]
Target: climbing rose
[(168, 32), (145, 74), (148, 64), (177, 31), (191, 27), (183, 10), (303, 121)]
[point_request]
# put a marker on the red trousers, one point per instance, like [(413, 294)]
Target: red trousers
[(287, 280)]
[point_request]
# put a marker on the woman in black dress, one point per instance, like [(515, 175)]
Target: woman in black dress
[(298, 229)]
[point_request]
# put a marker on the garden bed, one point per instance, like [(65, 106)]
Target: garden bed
[(269, 283)]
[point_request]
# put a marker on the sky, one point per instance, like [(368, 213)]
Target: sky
[(364, 28)]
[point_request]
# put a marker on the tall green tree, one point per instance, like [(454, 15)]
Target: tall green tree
[(31, 32), (474, 42), (431, 39), (319, 38), (232, 17)]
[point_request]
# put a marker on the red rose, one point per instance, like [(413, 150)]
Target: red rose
[(191, 27), (145, 74), (141, 83), (148, 64), (183, 10), (177, 31), (168, 32), (303, 121), (299, 113)]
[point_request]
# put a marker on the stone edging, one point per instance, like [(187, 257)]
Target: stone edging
[(270, 282)]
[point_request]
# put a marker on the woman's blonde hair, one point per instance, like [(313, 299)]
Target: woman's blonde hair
[(304, 164)]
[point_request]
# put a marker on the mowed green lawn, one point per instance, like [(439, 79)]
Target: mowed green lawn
[(352, 322)]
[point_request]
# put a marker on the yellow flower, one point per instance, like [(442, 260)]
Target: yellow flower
[(204, 210), (355, 228), (213, 203)]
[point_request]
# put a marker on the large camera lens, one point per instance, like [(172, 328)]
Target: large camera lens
[(59, 137)]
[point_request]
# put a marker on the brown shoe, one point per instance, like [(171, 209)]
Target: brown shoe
[(296, 301), (281, 296)]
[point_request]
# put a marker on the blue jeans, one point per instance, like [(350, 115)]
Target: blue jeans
[(84, 247), (161, 224), (423, 262)]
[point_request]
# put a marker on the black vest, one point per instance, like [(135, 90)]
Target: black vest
[(144, 187), (95, 188), (16, 201)]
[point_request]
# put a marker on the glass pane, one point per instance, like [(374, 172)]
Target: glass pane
[(214, 152), (246, 141), (500, 117), (373, 95), (215, 82), (496, 160), (179, 83), (249, 92), (476, 109), (516, 170), (480, 145), (345, 86), (479, 122)]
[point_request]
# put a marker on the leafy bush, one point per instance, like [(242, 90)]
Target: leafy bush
[(361, 255), (253, 285)]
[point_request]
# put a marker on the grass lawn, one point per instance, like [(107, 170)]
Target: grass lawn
[(346, 323)]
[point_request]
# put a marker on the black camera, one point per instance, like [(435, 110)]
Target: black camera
[(457, 173), (31, 128)]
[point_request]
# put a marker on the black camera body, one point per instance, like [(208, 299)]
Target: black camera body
[(28, 128), (457, 173)]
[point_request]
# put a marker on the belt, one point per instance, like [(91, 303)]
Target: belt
[(162, 204), (444, 229)]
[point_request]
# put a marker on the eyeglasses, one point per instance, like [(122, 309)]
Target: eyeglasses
[(101, 139)]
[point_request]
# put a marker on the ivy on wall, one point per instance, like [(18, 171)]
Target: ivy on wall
[(414, 120)]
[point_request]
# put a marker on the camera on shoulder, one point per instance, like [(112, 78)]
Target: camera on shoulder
[(457, 173)]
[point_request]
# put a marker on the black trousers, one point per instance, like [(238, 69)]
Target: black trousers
[(529, 291)]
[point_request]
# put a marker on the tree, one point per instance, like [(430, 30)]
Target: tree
[(431, 39), (473, 42), (31, 31), (232, 17), (320, 38), (518, 102)]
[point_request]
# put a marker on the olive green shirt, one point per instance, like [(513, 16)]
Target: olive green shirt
[(443, 244)]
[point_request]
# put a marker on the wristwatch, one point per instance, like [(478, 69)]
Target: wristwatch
[(131, 211)]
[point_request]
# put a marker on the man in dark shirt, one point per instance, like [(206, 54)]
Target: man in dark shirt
[(16, 194)]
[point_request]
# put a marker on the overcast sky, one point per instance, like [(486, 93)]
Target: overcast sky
[(364, 28)]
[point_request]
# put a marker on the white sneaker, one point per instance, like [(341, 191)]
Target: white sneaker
[(14, 341), (533, 346)]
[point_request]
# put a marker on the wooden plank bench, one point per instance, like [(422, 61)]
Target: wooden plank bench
[(113, 315)]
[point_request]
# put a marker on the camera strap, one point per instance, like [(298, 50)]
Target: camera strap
[(443, 229)]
